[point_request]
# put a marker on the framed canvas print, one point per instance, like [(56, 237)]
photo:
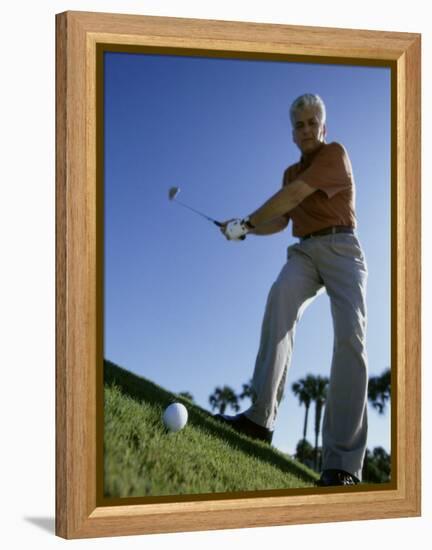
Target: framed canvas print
[(237, 274)]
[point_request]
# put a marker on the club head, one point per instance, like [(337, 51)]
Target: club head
[(173, 192)]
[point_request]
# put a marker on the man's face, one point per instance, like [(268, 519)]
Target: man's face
[(308, 130)]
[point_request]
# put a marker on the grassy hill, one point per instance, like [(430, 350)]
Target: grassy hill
[(143, 459)]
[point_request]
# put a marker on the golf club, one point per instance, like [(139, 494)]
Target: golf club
[(174, 191), (172, 194)]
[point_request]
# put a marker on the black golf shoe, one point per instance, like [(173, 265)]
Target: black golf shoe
[(336, 477), (243, 425)]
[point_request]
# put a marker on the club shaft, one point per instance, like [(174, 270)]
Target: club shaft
[(199, 213)]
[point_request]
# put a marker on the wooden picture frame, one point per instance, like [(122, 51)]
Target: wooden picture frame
[(80, 512)]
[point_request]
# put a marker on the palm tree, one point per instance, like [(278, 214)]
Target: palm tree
[(247, 391), (318, 394), (303, 390), (222, 397), (379, 390)]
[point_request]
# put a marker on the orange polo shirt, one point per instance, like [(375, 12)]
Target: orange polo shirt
[(329, 171)]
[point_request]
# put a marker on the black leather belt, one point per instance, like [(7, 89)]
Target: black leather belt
[(329, 231)]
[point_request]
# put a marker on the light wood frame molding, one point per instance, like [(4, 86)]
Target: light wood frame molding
[(79, 512)]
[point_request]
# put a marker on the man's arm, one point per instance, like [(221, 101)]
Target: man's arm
[(281, 203), (269, 228)]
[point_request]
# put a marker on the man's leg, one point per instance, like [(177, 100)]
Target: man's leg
[(296, 286), (345, 420)]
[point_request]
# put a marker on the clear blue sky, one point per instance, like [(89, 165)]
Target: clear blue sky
[(183, 306)]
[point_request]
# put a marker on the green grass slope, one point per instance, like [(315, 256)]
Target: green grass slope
[(142, 459)]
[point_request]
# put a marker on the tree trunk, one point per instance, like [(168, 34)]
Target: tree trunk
[(305, 422)]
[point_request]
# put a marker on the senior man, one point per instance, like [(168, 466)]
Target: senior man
[(318, 196)]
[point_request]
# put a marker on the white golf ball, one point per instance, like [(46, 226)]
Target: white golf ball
[(175, 417)]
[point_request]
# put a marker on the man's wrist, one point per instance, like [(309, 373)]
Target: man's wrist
[(247, 222)]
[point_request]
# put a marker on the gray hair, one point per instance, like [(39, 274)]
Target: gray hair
[(308, 100)]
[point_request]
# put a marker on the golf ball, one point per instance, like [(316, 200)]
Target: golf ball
[(175, 417)]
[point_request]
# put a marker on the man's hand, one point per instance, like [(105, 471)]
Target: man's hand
[(234, 230)]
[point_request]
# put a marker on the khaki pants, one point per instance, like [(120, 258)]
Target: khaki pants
[(335, 263)]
